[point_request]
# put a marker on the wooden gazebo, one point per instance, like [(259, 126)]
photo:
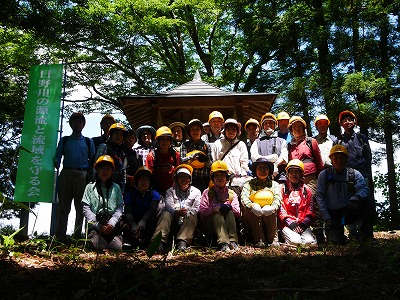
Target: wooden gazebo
[(194, 99)]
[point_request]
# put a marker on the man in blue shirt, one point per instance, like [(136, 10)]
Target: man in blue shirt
[(78, 152), (341, 195)]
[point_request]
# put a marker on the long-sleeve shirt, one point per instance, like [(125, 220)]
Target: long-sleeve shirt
[(175, 199), (237, 158), (254, 185), (109, 202), (214, 196), (297, 205), (189, 146), (77, 152), (333, 190), (325, 145), (310, 156)]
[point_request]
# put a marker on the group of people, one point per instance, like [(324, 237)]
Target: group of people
[(278, 185)]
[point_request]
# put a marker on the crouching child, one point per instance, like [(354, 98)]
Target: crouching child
[(102, 206), (219, 206), (182, 203)]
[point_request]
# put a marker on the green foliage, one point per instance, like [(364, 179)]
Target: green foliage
[(7, 243), (381, 184)]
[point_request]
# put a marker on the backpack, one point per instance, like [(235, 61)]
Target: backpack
[(350, 179)]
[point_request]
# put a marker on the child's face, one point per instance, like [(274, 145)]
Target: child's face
[(164, 142), (143, 183), (183, 180), (104, 172), (294, 175), (117, 137), (220, 179), (262, 170)]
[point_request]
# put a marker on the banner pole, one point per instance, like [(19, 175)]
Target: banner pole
[(54, 206)]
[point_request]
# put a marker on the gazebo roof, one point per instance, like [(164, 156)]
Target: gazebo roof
[(194, 99)]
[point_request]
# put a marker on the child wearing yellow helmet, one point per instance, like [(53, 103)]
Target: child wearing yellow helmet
[(102, 206)]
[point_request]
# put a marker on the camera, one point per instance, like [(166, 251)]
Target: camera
[(102, 217)]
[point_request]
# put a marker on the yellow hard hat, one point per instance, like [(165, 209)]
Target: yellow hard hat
[(104, 159), (252, 121), (117, 126), (338, 149), (347, 113), (262, 197), (283, 116), (196, 163), (215, 114), (295, 119), (295, 163), (268, 115), (217, 166), (163, 131), (321, 117)]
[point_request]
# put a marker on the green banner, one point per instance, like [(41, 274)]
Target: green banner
[(35, 175)]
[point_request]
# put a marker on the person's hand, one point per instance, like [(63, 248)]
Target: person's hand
[(256, 209), (201, 157), (354, 203), (142, 224), (107, 229), (268, 210), (272, 158), (181, 212), (224, 209)]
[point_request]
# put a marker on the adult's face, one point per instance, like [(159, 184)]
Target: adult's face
[(283, 125), (77, 125), (231, 132), (294, 175), (252, 131), (269, 126), (322, 126), (216, 124), (339, 161), (347, 123), (106, 124), (177, 133), (298, 130)]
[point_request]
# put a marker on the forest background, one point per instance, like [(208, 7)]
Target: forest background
[(320, 56)]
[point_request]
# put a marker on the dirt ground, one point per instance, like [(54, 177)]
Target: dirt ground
[(40, 269)]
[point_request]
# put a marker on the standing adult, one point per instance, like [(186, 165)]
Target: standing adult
[(360, 158), (271, 147), (178, 134), (234, 153), (325, 141), (283, 123), (78, 152), (216, 121), (105, 125), (306, 149), (252, 128), (341, 195)]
